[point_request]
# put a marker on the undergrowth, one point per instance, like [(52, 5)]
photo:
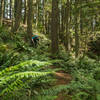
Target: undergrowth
[(19, 77), (25, 73), (85, 84)]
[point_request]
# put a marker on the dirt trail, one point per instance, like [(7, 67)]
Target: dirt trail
[(62, 79)]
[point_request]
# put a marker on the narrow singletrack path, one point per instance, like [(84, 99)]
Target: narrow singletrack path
[(62, 79)]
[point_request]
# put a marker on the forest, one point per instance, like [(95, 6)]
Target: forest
[(49, 49)]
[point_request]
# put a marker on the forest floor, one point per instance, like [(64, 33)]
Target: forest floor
[(63, 78)]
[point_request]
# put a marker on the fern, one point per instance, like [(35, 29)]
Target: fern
[(25, 66), (16, 78)]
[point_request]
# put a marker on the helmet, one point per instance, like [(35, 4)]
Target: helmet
[(32, 33)]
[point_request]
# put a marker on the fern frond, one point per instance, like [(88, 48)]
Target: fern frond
[(22, 75), (18, 84), (16, 78), (25, 66)]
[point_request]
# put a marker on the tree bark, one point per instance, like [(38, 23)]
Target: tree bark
[(25, 12), (1, 12), (76, 31), (81, 19), (10, 9), (54, 27), (30, 18), (67, 38), (17, 15)]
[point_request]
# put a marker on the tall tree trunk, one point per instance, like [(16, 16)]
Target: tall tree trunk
[(67, 38), (25, 12), (15, 8), (10, 9), (7, 10), (76, 30), (71, 17), (44, 18), (54, 27), (62, 24), (49, 24), (81, 24), (18, 15), (81, 19), (46, 23), (30, 18), (62, 20), (4, 7), (37, 13), (12, 14), (1, 12)]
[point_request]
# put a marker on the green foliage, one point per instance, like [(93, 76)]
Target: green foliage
[(17, 77), (86, 76), (17, 80), (45, 97), (3, 48), (53, 91), (94, 45), (9, 58), (86, 63), (4, 34), (96, 73), (16, 49), (83, 63), (86, 79), (27, 65), (25, 74)]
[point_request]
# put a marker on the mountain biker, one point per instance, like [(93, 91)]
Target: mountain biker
[(35, 39)]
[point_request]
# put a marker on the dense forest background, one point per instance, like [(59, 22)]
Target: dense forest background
[(65, 64)]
